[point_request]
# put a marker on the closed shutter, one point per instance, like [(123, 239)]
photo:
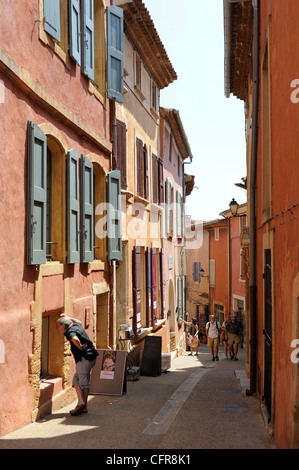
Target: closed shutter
[(87, 209), (194, 271), (179, 297), (87, 47), (148, 288), (74, 26), (115, 54), (52, 18), (178, 214), (154, 178), (146, 175), (114, 216), (121, 152), (162, 277), (198, 272), (161, 181), (36, 195), (139, 152), (167, 206), (136, 290), (154, 285), (73, 234)]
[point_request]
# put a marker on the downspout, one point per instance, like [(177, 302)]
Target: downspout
[(252, 221)]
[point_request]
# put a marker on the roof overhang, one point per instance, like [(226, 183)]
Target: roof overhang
[(172, 116), (140, 29), (238, 31)]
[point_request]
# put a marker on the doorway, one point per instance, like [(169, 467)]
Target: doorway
[(268, 332)]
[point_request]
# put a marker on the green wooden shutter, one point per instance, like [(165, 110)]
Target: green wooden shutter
[(87, 46), (52, 18), (115, 54), (114, 216), (36, 195), (74, 28), (198, 272), (73, 234), (87, 209)]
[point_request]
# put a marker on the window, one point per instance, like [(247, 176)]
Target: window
[(179, 213), (122, 152), (216, 232), (169, 200), (142, 175), (60, 220), (138, 72), (212, 272), (196, 271), (154, 97)]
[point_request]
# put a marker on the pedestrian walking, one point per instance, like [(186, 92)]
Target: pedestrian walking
[(85, 356), (193, 333), (223, 336), (234, 332), (213, 331)]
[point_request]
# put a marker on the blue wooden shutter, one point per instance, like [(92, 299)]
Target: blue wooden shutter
[(114, 216), (73, 234), (87, 47), (74, 27), (87, 209), (115, 54), (36, 195), (194, 271), (52, 18)]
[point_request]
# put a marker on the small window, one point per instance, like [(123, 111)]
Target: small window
[(216, 233), (138, 74), (154, 97)]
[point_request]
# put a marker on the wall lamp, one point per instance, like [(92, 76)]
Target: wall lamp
[(233, 205)]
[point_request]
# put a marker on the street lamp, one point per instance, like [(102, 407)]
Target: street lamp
[(233, 205)]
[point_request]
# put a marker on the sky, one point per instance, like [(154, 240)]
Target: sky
[(192, 34)]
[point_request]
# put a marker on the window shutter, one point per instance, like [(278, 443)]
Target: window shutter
[(115, 54), (136, 290), (148, 288), (154, 284), (154, 178), (161, 181), (162, 276), (194, 271), (73, 234), (36, 195), (87, 210), (52, 18), (121, 152), (114, 216), (74, 25), (139, 151), (179, 299), (198, 272), (167, 206), (146, 176), (87, 46), (178, 214)]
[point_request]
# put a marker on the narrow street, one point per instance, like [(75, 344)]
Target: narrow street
[(197, 404)]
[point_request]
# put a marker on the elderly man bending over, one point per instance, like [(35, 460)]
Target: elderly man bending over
[(85, 356)]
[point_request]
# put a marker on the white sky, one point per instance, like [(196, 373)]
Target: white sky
[(192, 34)]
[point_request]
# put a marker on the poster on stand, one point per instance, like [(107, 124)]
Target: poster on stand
[(108, 374)]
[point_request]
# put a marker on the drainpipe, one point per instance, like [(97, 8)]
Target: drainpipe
[(252, 221)]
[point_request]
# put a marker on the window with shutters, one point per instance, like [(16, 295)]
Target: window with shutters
[(155, 187), (196, 271), (121, 152), (169, 205), (54, 21), (212, 272), (45, 198), (142, 170), (100, 218)]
